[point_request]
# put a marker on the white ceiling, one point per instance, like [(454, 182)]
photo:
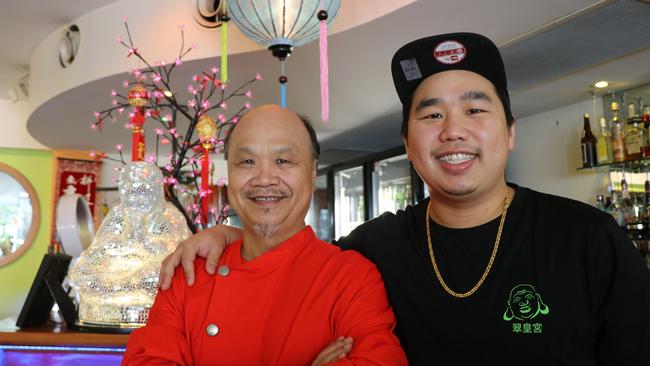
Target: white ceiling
[(362, 93), (24, 24)]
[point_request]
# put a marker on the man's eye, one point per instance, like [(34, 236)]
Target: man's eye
[(281, 161), (474, 110), (432, 116), (246, 162)]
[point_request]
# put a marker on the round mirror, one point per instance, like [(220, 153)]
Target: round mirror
[(19, 214)]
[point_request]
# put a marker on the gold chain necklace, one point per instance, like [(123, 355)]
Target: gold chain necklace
[(451, 292)]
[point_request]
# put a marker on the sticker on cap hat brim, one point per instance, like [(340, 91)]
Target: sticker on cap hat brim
[(410, 69), (450, 52)]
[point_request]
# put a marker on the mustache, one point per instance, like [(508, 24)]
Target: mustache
[(257, 192)]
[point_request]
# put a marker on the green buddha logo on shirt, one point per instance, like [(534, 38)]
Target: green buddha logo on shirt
[(524, 305)]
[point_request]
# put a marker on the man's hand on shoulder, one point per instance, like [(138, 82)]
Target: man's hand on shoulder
[(335, 350), (209, 244)]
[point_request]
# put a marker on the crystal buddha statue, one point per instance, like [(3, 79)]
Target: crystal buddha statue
[(116, 276)]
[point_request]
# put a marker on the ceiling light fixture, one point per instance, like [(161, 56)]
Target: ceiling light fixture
[(601, 84), (69, 45)]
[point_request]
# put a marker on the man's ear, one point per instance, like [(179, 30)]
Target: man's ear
[(314, 175), (406, 147), (512, 134)]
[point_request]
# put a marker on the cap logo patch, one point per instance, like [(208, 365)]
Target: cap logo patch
[(410, 69), (450, 52)]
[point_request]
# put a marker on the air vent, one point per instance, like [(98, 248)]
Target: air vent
[(587, 38), (207, 12), (69, 45)]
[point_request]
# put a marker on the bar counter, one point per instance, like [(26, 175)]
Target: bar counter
[(55, 344)]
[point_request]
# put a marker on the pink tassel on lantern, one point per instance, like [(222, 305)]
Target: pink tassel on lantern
[(324, 70)]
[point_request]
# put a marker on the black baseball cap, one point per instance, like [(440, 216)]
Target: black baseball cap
[(420, 59)]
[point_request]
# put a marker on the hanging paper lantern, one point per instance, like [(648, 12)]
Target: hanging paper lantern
[(281, 25), (207, 130), (138, 96)]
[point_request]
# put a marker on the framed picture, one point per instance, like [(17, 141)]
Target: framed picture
[(45, 288)]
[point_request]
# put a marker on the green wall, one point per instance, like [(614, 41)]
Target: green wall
[(16, 277)]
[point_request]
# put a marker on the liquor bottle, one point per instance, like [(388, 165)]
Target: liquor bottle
[(636, 139), (604, 144), (614, 208), (646, 211), (646, 115), (617, 138), (630, 206), (600, 202), (588, 143)]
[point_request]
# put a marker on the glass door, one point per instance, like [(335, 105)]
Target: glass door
[(391, 184), (319, 216), (349, 202)]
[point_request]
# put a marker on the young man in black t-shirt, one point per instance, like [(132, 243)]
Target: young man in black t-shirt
[(486, 272)]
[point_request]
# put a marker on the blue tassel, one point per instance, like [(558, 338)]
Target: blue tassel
[(283, 95)]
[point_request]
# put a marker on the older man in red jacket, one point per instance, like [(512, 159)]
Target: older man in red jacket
[(281, 296)]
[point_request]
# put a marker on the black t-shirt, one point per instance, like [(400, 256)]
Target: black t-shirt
[(567, 286)]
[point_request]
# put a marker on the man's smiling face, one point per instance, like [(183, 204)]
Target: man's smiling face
[(271, 171)]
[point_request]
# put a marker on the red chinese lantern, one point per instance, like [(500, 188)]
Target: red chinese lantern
[(207, 130), (138, 98)]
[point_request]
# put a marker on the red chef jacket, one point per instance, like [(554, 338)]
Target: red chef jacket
[(281, 308)]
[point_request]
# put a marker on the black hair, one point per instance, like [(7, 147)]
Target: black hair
[(315, 146), (501, 93)]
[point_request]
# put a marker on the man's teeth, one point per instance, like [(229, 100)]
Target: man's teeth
[(457, 158), (266, 198)]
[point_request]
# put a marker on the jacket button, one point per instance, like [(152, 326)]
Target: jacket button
[(223, 271), (212, 330)]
